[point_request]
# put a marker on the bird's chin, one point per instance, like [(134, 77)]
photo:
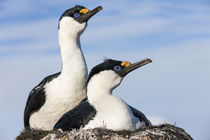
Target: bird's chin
[(116, 82), (82, 29)]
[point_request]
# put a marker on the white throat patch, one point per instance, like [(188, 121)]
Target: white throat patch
[(102, 83), (71, 26)]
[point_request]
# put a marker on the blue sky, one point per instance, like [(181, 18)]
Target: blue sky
[(174, 34)]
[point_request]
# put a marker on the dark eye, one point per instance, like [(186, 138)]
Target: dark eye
[(76, 15), (117, 68)]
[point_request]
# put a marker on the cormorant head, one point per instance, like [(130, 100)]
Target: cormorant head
[(110, 73), (74, 20)]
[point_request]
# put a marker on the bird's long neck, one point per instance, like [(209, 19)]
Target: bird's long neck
[(97, 89), (101, 98), (74, 66), (102, 85)]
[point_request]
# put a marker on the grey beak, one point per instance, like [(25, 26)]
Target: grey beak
[(135, 66), (90, 13)]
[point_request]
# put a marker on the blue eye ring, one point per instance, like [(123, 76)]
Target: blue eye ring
[(76, 15), (117, 68)]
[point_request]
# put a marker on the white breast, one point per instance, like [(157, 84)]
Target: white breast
[(113, 113), (61, 96)]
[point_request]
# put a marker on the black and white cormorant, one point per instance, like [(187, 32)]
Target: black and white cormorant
[(59, 93), (102, 108)]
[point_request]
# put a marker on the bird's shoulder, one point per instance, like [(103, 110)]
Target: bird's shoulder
[(36, 98), (142, 118), (76, 118), (41, 85)]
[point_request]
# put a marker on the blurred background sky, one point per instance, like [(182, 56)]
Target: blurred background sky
[(175, 88)]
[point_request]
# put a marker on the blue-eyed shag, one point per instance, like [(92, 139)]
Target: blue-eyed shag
[(60, 92), (102, 109)]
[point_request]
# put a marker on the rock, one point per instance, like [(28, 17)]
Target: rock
[(162, 132)]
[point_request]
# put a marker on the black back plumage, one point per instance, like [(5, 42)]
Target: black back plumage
[(84, 112), (76, 118), (36, 98), (138, 114)]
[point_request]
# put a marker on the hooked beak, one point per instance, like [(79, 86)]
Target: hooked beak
[(90, 13), (134, 66)]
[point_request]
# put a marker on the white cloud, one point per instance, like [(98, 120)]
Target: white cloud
[(10, 8), (142, 19), (126, 29), (28, 38), (34, 30)]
